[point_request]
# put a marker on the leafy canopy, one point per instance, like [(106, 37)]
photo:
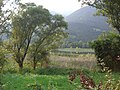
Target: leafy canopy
[(107, 50), (34, 30)]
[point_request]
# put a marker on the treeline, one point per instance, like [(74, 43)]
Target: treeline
[(74, 44)]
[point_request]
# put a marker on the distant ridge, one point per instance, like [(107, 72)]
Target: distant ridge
[(84, 25)]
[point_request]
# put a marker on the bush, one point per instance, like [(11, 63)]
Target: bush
[(107, 50), (88, 83), (2, 60)]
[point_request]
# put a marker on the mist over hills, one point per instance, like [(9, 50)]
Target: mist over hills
[(84, 25)]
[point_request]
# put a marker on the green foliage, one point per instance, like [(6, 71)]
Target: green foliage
[(35, 86), (31, 81), (89, 83), (34, 31), (1, 83), (107, 50), (3, 57), (2, 60), (29, 19), (6, 13), (53, 71), (60, 82), (110, 9), (4, 27), (49, 37), (110, 82), (3, 18)]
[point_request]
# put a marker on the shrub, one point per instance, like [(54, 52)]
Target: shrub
[(88, 83), (107, 50), (2, 60)]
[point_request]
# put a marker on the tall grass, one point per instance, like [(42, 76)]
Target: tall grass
[(80, 61)]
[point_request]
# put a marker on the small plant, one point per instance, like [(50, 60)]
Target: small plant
[(89, 84), (35, 86), (110, 83), (52, 86), (86, 81)]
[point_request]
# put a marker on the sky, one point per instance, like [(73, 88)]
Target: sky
[(64, 7)]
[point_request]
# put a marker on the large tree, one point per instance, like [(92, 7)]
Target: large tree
[(48, 37), (108, 8), (31, 24), (25, 22)]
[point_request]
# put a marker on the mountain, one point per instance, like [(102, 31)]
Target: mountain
[(84, 25)]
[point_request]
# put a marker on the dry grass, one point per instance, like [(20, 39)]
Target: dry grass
[(79, 61)]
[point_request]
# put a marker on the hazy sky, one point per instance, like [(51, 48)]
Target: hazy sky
[(64, 7)]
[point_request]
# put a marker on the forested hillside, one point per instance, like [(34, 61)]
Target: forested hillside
[(84, 25)]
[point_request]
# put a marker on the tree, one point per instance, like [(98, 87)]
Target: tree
[(107, 50), (34, 30), (4, 27), (25, 23), (48, 37), (2, 24), (2, 17), (5, 14), (108, 8)]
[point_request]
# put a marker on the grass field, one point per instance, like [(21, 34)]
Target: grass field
[(22, 82), (46, 82), (55, 77), (75, 61)]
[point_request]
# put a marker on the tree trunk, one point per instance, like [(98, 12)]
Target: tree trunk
[(34, 65), (20, 65)]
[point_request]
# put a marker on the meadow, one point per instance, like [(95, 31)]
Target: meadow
[(74, 61), (54, 77)]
